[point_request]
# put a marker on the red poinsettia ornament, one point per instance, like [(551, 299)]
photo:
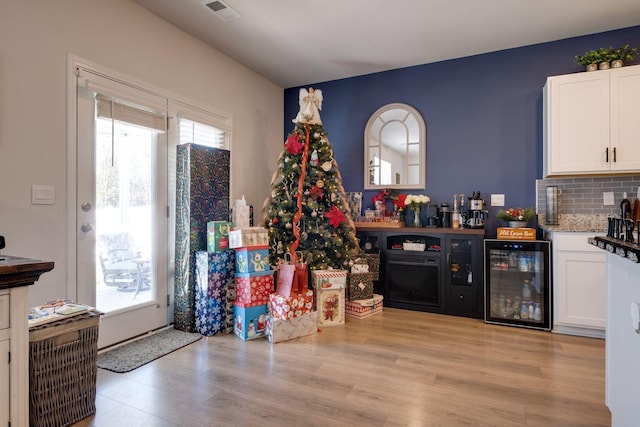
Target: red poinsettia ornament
[(336, 216), (293, 144)]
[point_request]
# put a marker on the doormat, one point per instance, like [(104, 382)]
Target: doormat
[(137, 353)]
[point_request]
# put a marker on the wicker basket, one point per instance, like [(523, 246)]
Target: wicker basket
[(62, 370)]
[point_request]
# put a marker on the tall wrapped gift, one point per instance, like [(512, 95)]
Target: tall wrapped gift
[(202, 195)]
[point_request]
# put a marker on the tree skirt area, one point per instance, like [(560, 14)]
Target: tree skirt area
[(134, 354)]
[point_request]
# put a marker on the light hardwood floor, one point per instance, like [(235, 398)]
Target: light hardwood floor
[(395, 368)]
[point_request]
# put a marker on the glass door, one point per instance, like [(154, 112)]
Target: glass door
[(517, 283), (122, 207)]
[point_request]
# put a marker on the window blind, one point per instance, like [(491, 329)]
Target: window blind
[(123, 102), (201, 134)]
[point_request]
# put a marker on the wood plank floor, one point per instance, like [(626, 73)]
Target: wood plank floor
[(395, 368)]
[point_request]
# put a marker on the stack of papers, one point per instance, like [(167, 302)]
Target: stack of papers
[(55, 310)]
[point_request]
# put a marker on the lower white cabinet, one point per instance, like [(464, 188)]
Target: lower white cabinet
[(4, 382), (4, 358), (579, 285)]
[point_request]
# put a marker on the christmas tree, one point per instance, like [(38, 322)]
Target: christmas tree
[(307, 213)]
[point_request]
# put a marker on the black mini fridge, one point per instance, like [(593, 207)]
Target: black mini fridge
[(517, 283)]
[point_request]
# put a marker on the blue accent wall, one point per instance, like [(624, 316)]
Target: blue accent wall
[(483, 115)]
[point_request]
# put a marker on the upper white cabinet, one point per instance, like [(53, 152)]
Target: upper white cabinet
[(589, 122)]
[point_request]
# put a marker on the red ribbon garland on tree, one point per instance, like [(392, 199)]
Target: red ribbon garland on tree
[(298, 215)]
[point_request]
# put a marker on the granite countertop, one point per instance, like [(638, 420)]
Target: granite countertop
[(593, 223)]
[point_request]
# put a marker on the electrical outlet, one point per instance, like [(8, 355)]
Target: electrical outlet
[(607, 197), (497, 200)]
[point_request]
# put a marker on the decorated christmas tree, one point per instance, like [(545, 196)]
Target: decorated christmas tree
[(307, 213)]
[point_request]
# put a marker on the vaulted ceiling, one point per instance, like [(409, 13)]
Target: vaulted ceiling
[(294, 42)]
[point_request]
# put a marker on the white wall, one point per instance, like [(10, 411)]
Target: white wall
[(35, 38)]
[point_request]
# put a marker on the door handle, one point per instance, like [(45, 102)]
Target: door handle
[(87, 227), (86, 206)]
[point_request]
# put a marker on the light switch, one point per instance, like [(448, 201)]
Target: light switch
[(497, 200), (43, 194)]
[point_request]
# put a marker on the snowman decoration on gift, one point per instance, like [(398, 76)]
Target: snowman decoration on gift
[(259, 264)]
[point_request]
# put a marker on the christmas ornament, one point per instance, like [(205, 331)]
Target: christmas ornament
[(335, 216), (320, 183), (288, 226), (326, 166), (314, 214), (293, 144), (316, 192), (314, 158), (316, 135)]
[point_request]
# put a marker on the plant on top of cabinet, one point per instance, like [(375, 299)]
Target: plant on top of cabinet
[(622, 54), (594, 58), (602, 57)]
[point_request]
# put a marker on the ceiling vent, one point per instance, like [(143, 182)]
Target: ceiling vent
[(222, 10)]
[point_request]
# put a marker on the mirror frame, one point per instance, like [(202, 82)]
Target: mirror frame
[(421, 185)]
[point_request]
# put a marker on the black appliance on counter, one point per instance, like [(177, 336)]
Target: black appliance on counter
[(518, 283), (444, 215), (477, 214)]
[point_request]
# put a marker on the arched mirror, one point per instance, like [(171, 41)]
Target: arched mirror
[(395, 147)]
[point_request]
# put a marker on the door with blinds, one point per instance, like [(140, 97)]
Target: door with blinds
[(122, 212)]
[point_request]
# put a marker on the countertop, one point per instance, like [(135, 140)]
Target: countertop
[(17, 271), (399, 228), (590, 223)]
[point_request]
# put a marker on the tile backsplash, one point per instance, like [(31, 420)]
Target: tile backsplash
[(584, 195)]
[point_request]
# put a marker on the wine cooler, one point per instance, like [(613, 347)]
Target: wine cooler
[(518, 283)]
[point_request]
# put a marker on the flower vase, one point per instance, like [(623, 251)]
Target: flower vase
[(416, 217)]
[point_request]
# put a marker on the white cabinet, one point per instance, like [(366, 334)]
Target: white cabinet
[(4, 358), (589, 121), (579, 285)]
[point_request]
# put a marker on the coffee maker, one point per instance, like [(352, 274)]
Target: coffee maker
[(433, 216), (444, 215), (477, 214)]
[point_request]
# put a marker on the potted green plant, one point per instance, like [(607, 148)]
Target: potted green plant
[(596, 59), (590, 59), (621, 54)]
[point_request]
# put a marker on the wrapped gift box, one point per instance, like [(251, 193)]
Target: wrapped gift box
[(254, 288), (279, 330), (281, 307), (217, 236), (252, 259), (251, 236), (364, 308), (250, 321), (360, 286), (214, 278), (367, 263), (329, 279), (330, 306), (202, 195)]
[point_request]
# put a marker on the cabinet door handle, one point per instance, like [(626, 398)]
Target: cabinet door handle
[(614, 154), (449, 260), (606, 154)]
